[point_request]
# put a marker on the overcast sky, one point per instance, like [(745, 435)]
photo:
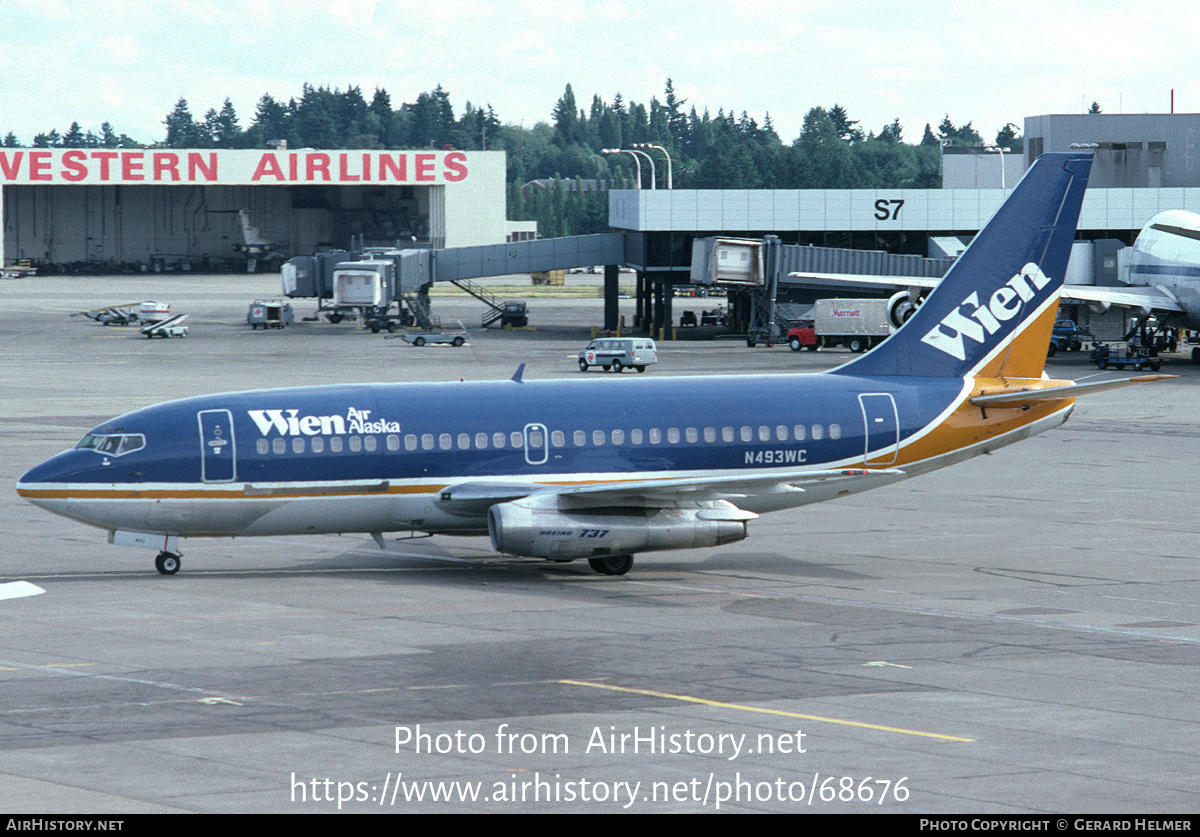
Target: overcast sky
[(130, 61)]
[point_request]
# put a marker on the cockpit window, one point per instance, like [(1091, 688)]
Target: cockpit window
[(112, 444)]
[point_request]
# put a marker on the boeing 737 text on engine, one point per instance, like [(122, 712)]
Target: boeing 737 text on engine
[(676, 464)]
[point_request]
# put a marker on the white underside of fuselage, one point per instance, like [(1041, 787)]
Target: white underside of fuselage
[(241, 510)]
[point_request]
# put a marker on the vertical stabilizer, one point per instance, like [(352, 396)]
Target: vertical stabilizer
[(992, 313)]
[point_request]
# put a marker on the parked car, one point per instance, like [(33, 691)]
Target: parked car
[(616, 353)]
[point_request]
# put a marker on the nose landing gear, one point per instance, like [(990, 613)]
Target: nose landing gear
[(167, 563)]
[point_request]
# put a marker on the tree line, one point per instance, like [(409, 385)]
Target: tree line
[(567, 152)]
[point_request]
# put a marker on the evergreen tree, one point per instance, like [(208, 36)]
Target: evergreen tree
[(843, 125), (1008, 138), (182, 130), (566, 115)]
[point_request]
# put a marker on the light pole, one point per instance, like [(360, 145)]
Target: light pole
[(650, 160), (635, 154), (993, 149), (670, 184)]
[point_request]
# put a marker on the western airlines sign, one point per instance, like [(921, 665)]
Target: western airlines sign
[(229, 167)]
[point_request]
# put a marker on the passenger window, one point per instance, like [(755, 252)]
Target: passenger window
[(618, 437), (498, 440), (335, 444), (298, 444), (279, 445), (727, 434), (263, 446), (655, 435), (818, 431), (444, 441), (426, 441), (798, 431), (393, 442), (710, 434), (691, 435), (481, 441), (673, 435), (318, 444), (356, 444), (835, 431), (580, 438), (764, 433), (369, 443), (635, 436), (518, 439), (597, 437), (410, 441), (464, 441), (747, 434), (781, 433), (557, 439)]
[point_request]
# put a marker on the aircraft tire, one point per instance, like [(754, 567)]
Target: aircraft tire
[(612, 564), (167, 563)]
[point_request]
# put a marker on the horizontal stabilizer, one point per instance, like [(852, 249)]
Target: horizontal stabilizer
[(1030, 396)]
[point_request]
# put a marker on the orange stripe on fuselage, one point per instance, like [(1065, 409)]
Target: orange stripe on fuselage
[(970, 425)]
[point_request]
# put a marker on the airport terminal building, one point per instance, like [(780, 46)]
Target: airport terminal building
[(104, 210)]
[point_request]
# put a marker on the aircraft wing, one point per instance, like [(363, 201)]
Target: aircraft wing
[(1145, 298), (475, 498)]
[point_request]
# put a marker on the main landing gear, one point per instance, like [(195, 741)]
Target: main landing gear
[(167, 563), (612, 564)]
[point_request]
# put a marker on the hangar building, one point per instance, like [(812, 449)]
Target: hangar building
[(158, 208)]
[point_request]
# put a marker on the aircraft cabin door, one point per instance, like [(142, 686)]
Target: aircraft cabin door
[(537, 445), (218, 454), (882, 428)]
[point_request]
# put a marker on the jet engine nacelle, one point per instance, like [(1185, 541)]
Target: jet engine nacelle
[(536, 527), (901, 306)]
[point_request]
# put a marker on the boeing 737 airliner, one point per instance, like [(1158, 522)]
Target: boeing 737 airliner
[(667, 464)]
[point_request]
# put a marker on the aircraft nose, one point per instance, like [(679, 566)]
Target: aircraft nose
[(66, 467)]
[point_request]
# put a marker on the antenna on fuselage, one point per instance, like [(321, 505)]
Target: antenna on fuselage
[(517, 375)]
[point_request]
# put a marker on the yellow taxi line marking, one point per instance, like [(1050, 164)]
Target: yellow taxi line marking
[(744, 708)]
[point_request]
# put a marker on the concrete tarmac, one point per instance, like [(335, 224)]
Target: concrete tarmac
[(1018, 634)]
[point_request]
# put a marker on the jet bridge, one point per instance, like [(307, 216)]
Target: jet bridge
[(757, 275), (405, 276)]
